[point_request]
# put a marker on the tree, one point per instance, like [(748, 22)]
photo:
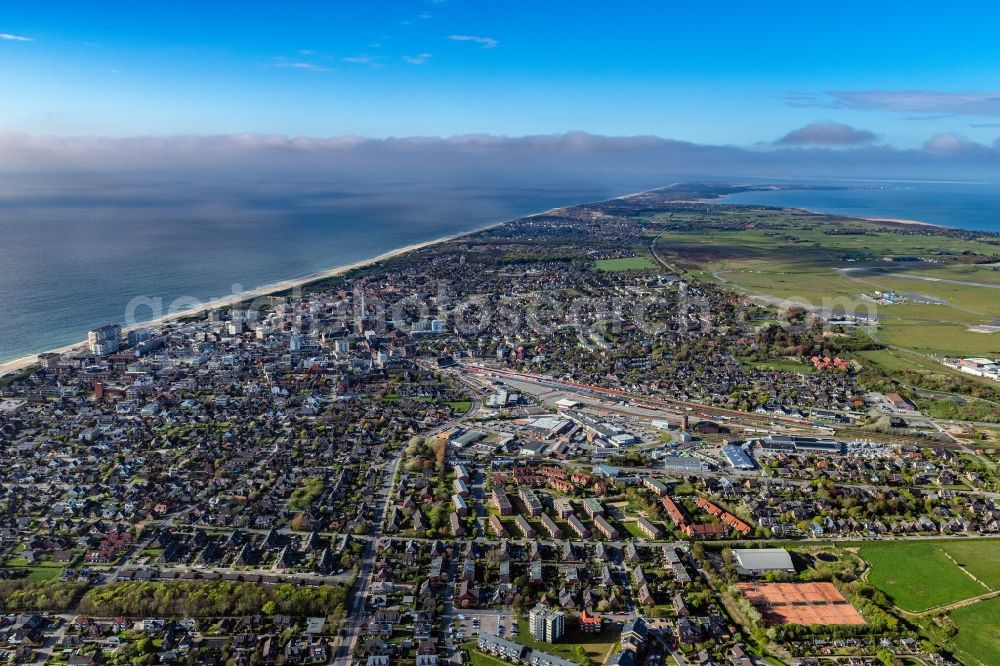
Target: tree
[(269, 608), (886, 657), (144, 645)]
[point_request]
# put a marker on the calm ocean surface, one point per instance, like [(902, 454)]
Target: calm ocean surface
[(960, 205), (73, 256), (75, 251)]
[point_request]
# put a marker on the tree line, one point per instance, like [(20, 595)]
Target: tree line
[(212, 599)]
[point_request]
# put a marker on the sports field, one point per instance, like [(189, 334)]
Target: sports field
[(800, 603)]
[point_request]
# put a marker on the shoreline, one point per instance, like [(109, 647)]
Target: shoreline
[(20, 363), (900, 220), (16, 364), (887, 220)]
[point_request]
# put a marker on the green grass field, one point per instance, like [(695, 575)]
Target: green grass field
[(933, 328), (624, 264), (980, 273), (632, 528), (889, 360), (477, 658), (939, 338), (918, 575), (802, 233), (978, 638), (44, 573), (894, 360), (395, 397), (980, 557), (40, 573), (782, 366), (794, 259)]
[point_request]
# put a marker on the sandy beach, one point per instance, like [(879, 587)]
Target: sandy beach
[(898, 220), (16, 364), (23, 362), (20, 363), (890, 220)]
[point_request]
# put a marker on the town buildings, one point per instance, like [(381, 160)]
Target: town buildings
[(545, 624), (104, 340)]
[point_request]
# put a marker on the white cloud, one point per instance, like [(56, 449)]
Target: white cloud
[(826, 134), (7, 37), (485, 42), (359, 59), (577, 154), (950, 143), (418, 59), (299, 64), (905, 101)]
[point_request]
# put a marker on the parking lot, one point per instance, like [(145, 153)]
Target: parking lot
[(468, 629)]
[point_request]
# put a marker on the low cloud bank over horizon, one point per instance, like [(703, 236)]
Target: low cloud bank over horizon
[(826, 134), (819, 150)]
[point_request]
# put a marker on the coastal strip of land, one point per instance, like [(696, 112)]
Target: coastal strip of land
[(900, 220), (14, 365), (17, 364), (23, 362), (716, 198)]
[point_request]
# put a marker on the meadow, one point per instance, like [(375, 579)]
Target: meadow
[(624, 264), (978, 638), (981, 558), (917, 575), (789, 256)]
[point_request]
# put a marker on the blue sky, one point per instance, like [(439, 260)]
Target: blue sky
[(709, 73)]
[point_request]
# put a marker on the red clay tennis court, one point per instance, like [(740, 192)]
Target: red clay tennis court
[(800, 603)]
